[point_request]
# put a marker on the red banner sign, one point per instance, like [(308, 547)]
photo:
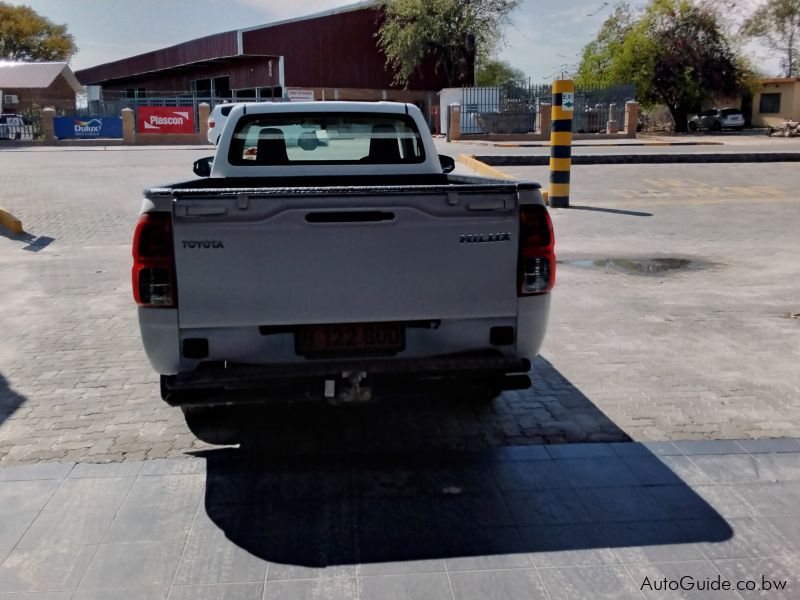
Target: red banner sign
[(166, 119)]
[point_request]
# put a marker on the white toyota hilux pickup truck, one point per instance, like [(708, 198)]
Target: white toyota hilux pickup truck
[(328, 252)]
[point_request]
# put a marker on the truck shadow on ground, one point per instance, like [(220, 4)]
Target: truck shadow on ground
[(10, 401), (321, 503), (552, 411)]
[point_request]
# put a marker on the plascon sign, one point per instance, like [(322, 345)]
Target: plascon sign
[(165, 119)]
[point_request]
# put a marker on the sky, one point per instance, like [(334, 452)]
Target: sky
[(544, 37)]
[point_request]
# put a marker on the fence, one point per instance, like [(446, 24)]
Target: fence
[(112, 106), (513, 108), (21, 133)]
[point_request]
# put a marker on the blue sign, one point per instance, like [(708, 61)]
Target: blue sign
[(88, 127)]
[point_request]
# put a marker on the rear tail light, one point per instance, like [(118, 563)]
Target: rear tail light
[(536, 267), (154, 262), (211, 124)]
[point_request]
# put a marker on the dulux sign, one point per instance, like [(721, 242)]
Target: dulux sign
[(88, 127)]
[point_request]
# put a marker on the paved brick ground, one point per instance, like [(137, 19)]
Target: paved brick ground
[(701, 354), (557, 522)]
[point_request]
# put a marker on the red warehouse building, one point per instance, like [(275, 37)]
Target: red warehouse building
[(331, 56)]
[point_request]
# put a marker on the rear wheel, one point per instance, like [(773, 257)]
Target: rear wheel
[(213, 424), (717, 126), (692, 126)]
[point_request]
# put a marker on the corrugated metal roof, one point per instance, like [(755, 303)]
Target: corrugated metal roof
[(34, 75)]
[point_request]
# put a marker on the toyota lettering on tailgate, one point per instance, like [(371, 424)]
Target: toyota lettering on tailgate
[(166, 119)]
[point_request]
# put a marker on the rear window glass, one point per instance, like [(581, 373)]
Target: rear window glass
[(327, 138), (727, 112)]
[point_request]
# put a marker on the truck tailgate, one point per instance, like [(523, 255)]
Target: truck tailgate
[(289, 257)]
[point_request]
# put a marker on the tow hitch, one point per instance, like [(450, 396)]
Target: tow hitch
[(352, 391)]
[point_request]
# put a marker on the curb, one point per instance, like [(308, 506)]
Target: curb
[(481, 166), (631, 159), (10, 222), (613, 145)]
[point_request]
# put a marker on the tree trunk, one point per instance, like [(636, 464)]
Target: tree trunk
[(680, 115)]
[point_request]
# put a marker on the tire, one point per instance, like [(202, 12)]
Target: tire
[(717, 126), (213, 424), (692, 126)]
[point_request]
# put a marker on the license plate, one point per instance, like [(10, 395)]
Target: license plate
[(360, 338)]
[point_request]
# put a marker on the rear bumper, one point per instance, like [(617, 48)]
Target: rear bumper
[(307, 380)]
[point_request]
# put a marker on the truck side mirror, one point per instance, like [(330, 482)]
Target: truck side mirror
[(202, 166), (447, 162)]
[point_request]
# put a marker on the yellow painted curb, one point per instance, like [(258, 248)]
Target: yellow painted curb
[(482, 168), (10, 222)]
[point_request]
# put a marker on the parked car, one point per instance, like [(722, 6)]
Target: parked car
[(337, 271), (717, 119), (12, 127), (216, 121)]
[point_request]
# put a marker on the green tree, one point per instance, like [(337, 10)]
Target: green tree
[(603, 61), (675, 52), (454, 31), (777, 24), (25, 35), (493, 72)]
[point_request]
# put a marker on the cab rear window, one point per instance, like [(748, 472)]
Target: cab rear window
[(325, 138)]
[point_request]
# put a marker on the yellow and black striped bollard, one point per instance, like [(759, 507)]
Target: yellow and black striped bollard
[(561, 142)]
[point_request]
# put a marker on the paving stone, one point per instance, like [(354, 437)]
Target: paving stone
[(734, 468), (425, 586), (342, 588), (529, 475), (123, 566), (37, 596), (750, 538), (567, 545), (700, 447), (489, 585), (101, 494), (622, 504), (19, 496), (209, 562), (651, 541), (485, 549), (596, 582), (767, 446), (149, 524), (177, 491), (784, 466), (38, 471), (596, 472), (45, 569), (76, 526), (121, 469), (146, 593), (580, 450), (13, 525), (547, 507)]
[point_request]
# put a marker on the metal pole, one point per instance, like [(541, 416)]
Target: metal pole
[(561, 142)]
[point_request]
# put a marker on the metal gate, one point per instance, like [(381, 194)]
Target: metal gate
[(513, 108)]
